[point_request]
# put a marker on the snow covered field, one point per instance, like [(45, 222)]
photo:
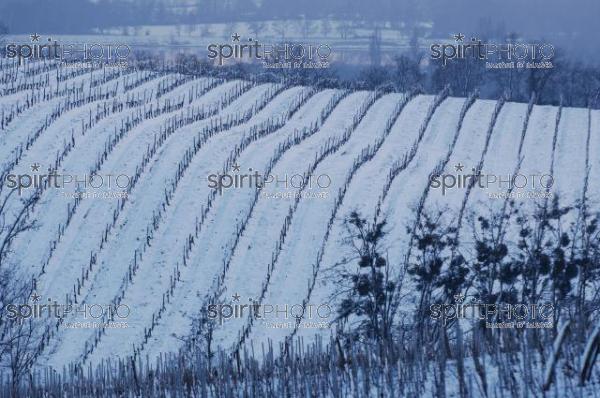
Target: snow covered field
[(166, 245)]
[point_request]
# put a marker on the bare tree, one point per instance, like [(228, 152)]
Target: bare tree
[(3, 32), (375, 47), (256, 27), (306, 27), (368, 286), (16, 338), (344, 29), (326, 26), (279, 27), (407, 73)]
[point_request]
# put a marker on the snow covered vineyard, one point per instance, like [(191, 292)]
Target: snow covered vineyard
[(150, 211)]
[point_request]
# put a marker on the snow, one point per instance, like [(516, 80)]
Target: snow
[(218, 264)]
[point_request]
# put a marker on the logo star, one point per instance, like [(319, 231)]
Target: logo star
[(236, 297), (35, 167), (236, 167), (459, 167), (459, 298), (235, 37), (459, 37), (35, 37), (35, 297)]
